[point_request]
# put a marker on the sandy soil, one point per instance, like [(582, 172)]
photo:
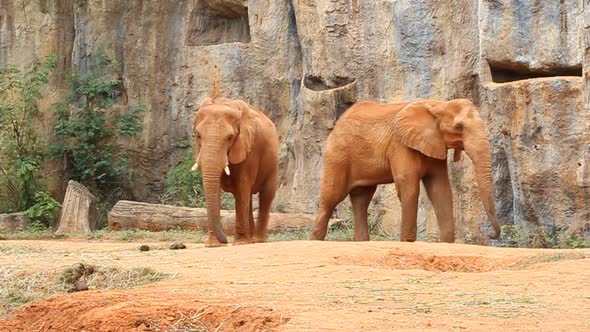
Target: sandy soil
[(317, 286)]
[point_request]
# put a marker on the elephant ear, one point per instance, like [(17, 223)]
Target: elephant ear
[(243, 143), (197, 141), (416, 127)]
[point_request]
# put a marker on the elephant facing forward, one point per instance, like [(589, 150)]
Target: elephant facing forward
[(236, 147), (406, 142)]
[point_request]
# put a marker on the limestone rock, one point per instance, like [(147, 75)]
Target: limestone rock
[(534, 96), (13, 222)]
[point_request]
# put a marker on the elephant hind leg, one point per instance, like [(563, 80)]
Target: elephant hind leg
[(243, 210), (333, 190), (251, 221), (265, 203), (360, 198)]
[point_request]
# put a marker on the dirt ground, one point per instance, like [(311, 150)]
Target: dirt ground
[(316, 286)]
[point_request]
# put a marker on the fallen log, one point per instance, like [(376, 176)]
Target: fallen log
[(156, 217)]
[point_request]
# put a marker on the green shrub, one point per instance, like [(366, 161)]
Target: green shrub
[(573, 240), (522, 237), (541, 237), (185, 188), (37, 227), (86, 130), (44, 210), (22, 148)]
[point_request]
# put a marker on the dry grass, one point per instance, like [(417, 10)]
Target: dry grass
[(109, 277), (20, 250), (185, 322), (336, 233), (546, 258), (214, 318), (19, 287), (110, 236)]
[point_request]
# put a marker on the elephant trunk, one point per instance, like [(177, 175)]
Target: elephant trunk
[(477, 148), (211, 173)]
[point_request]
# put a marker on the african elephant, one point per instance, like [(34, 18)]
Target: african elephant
[(405, 142), (236, 147)]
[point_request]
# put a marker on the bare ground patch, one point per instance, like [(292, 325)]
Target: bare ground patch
[(104, 311), (402, 260), (308, 286)]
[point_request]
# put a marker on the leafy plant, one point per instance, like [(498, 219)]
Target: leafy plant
[(88, 127), (540, 237), (573, 240), (44, 210), (521, 237), (185, 188), (37, 227), (22, 148)]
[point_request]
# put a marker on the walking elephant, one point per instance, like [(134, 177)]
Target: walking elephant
[(404, 143), (236, 147)]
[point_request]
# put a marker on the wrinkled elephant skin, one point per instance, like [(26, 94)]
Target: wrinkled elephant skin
[(236, 148), (404, 143)]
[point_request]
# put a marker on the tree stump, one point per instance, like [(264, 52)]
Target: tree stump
[(156, 217), (79, 212)]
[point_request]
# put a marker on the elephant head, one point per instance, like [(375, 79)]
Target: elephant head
[(432, 127), (224, 133)]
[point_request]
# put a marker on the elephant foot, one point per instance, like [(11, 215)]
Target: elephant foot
[(317, 237), (259, 238), (212, 242), (407, 239), (241, 241)]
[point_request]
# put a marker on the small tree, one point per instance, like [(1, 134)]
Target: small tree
[(88, 130), (22, 148)]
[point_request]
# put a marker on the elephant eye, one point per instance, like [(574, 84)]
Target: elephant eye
[(458, 127), (230, 137), (198, 136)]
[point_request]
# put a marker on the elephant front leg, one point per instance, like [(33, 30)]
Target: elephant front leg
[(243, 199), (440, 194), (408, 191)]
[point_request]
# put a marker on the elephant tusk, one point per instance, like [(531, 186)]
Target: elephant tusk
[(226, 170), (195, 166)]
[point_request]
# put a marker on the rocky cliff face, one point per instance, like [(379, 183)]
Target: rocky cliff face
[(523, 62)]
